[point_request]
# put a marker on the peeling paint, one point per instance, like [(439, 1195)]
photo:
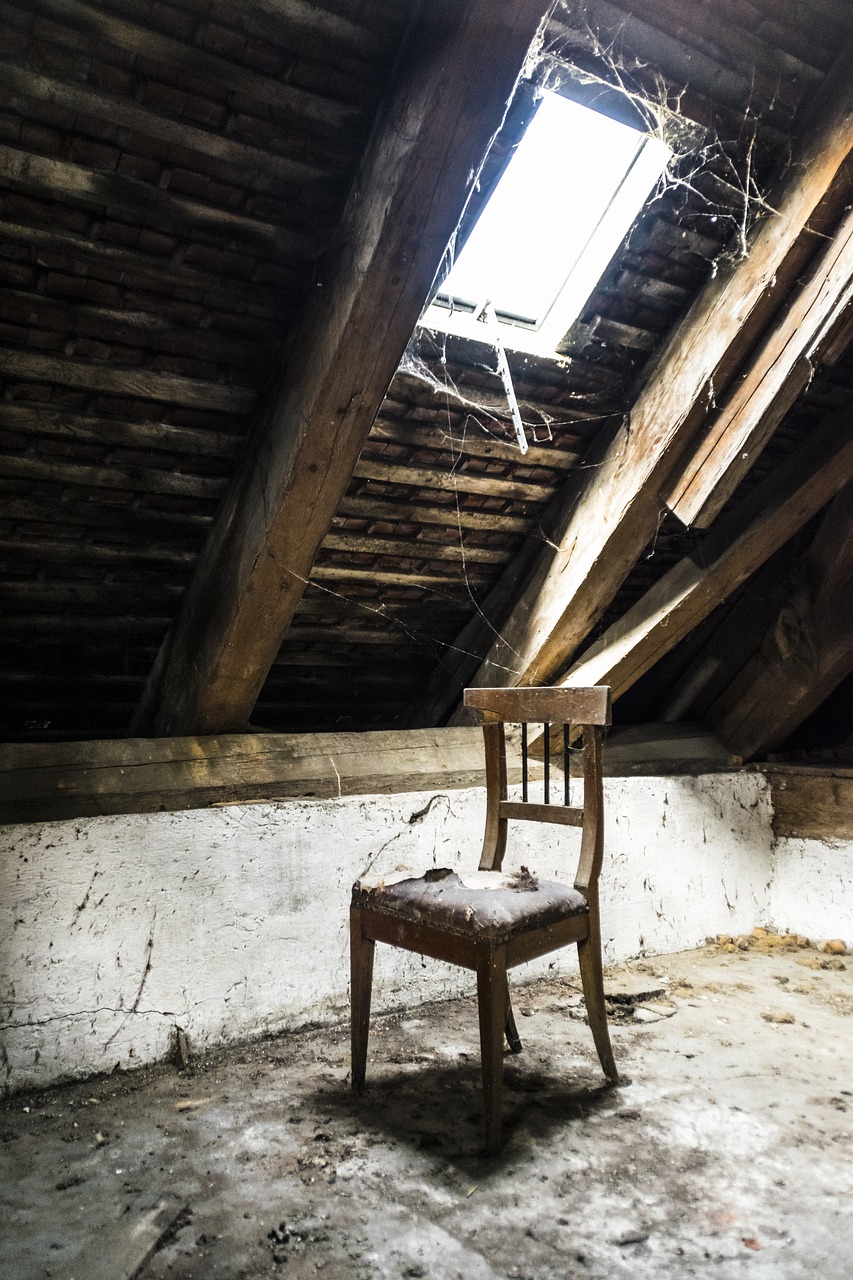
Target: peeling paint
[(231, 922)]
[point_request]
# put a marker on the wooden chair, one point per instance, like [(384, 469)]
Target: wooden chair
[(490, 921)]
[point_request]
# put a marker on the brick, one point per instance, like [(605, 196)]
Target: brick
[(176, 22), (265, 57), (36, 137), (112, 79), (222, 40), (157, 94), (185, 367), (94, 154), (102, 294), (99, 129), (228, 197), (189, 183), (18, 274), (46, 339), (143, 145), (65, 286), (132, 356), (13, 333), (10, 128), (156, 242), (87, 349), (119, 233), (70, 219), (140, 168)]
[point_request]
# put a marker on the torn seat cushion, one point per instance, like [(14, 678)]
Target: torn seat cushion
[(493, 905)]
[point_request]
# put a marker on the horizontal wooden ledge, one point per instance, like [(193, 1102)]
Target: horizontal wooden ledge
[(45, 420), (415, 548), (472, 443), (144, 42), (395, 578), (133, 479), (166, 388), (224, 291), (462, 481), (153, 206), (42, 782), (815, 804), (393, 510), (31, 85), (75, 551)]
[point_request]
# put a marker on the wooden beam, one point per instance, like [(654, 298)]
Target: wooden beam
[(473, 442), (29, 86), (730, 554), (370, 468), (778, 373), (143, 775), (419, 169), (220, 290), (321, 111), (414, 549), (135, 479), (44, 420), (808, 649), (165, 210), (393, 511), (142, 384), (601, 526), (811, 803)]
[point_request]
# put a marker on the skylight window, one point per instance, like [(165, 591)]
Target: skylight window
[(565, 202)]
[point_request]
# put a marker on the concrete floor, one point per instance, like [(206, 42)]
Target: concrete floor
[(726, 1153)]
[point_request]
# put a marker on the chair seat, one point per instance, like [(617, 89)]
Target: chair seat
[(492, 905)]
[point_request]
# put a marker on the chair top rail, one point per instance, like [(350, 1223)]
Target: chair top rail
[(590, 705)]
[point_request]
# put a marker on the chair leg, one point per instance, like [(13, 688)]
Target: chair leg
[(513, 1039), (361, 981), (589, 955), (492, 1003)]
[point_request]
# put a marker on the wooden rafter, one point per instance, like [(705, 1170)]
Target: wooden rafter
[(808, 649), (604, 518), (780, 371), (738, 546), (462, 63)]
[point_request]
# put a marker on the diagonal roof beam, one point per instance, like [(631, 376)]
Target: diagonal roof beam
[(781, 370), (808, 649), (742, 541), (604, 523), (457, 74)]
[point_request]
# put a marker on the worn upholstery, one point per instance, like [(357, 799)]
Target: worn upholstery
[(489, 904)]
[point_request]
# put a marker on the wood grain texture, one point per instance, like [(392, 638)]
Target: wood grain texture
[(779, 372), (417, 173), (80, 779), (739, 545), (544, 705), (808, 648), (812, 804)]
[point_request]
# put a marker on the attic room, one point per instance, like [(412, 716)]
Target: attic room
[(368, 369)]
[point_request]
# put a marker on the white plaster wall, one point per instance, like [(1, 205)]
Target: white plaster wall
[(811, 891), (231, 922)]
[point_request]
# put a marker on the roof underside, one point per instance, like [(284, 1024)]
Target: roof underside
[(180, 185)]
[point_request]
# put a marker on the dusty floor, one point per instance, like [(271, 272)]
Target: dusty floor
[(727, 1152)]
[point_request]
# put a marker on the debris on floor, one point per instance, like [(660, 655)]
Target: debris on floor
[(725, 1152)]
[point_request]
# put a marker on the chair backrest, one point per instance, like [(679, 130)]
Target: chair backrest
[(582, 712)]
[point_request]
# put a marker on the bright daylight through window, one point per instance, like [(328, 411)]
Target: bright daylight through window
[(566, 200)]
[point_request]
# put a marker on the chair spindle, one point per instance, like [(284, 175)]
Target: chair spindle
[(547, 761), (524, 761), (567, 786)]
